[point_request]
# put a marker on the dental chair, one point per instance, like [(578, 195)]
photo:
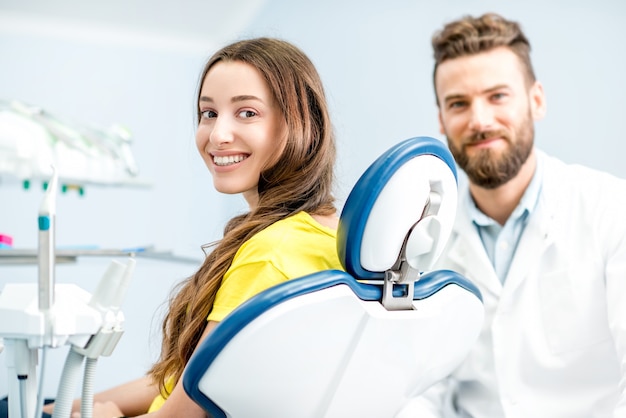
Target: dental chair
[(360, 342)]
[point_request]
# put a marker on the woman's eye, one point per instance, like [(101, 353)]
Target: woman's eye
[(208, 114), (247, 114)]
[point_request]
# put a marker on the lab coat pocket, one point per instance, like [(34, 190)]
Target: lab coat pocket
[(573, 309)]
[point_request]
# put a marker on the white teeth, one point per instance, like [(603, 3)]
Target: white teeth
[(228, 160)]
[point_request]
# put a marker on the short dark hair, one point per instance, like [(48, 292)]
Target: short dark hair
[(473, 35)]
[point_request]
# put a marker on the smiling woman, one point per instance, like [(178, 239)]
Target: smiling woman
[(264, 132), (241, 130)]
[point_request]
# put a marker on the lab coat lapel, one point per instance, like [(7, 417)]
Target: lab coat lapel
[(467, 255), (535, 240), (538, 235)]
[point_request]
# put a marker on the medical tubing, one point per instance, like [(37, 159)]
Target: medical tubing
[(63, 402), (86, 399), (42, 369), (23, 393)]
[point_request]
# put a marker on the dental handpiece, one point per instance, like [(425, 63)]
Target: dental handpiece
[(46, 249)]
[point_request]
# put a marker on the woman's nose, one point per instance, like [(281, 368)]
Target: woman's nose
[(222, 132)]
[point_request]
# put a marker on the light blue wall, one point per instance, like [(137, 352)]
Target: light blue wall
[(375, 60)]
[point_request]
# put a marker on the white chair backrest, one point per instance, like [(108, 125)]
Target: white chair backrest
[(360, 342)]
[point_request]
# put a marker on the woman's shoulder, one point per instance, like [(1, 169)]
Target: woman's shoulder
[(300, 224), (298, 233)]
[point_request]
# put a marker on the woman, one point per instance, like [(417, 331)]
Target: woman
[(263, 131)]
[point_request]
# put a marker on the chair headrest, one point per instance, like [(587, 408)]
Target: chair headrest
[(416, 182)]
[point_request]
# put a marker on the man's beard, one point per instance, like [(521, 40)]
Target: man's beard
[(486, 168)]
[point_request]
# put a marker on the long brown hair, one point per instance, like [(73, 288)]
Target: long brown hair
[(301, 180), (473, 35)]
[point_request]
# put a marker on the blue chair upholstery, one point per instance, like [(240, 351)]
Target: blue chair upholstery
[(363, 341)]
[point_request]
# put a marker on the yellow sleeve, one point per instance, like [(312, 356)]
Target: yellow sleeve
[(159, 400), (241, 283)]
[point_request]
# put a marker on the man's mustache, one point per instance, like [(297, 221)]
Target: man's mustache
[(481, 136)]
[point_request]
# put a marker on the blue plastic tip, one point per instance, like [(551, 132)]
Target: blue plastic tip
[(44, 223)]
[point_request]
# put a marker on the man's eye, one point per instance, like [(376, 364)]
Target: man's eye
[(456, 105), (207, 114), (247, 114)]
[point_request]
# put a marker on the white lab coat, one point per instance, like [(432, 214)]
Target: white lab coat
[(553, 343)]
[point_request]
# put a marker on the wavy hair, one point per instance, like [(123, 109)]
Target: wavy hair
[(473, 35), (301, 180)]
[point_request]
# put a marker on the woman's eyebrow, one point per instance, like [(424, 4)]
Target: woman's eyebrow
[(244, 97), (234, 99)]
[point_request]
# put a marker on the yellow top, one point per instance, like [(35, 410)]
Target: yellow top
[(287, 249)]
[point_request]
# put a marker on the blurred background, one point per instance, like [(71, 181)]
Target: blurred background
[(136, 63)]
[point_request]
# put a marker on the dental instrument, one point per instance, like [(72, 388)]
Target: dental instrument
[(35, 317)]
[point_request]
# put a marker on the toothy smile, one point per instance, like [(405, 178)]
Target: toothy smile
[(228, 160)]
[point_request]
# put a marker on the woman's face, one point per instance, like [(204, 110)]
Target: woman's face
[(241, 131)]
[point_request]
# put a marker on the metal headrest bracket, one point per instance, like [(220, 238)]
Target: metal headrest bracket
[(402, 275)]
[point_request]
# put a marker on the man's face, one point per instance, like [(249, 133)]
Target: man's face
[(487, 112)]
